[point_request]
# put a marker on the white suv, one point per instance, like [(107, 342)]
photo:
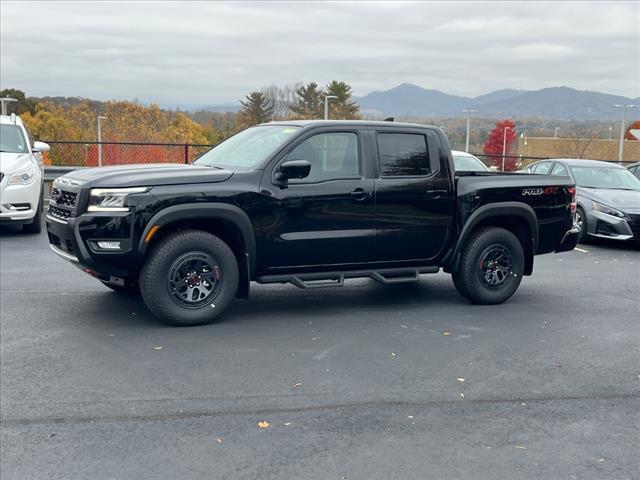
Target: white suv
[(21, 175)]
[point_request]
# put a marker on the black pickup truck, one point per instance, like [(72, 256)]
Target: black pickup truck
[(311, 203)]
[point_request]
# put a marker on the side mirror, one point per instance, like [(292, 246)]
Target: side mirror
[(294, 169), (40, 147)]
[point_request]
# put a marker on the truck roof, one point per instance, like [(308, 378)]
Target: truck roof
[(376, 123)]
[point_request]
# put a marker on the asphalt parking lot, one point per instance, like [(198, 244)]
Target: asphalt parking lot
[(364, 382)]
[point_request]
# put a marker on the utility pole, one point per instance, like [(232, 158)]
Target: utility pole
[(468, 112), (100, 118), (504, 145), (623, 127), (326, 105), (555, 132), (4, 101)]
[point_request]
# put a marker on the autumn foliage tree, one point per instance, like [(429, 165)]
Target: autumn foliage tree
[(493, 145)]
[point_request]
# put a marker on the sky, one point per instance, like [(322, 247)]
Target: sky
[(206, 53)]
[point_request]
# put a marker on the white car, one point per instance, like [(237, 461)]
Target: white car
[(21, 175), (465, 162)]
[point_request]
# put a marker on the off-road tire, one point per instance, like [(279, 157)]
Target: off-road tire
[(155, 283), (469, 278)]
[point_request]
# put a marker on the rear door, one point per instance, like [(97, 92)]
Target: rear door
[(414, 195)]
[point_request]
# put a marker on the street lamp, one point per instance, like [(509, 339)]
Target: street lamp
[(623, 127), (100, 118), (555, 132), (4, 101), (504, 145), (523, 135), (326, 105), (468, 112), (610, 132)]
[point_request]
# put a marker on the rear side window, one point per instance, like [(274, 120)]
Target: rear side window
[(403, 154), (543, 167), (560, 169)]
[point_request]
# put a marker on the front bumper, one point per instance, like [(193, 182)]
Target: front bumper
[(67, 239), (602, 225), (19, 203)]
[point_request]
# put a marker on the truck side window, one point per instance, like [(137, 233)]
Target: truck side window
[(542, 167), (331, 155), (403, 154)]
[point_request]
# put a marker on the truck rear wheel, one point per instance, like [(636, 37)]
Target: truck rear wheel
[(491, 266), (189, 278)]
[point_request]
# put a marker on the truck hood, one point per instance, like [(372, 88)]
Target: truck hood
[(143, 175), (625, 200), (12, 162)]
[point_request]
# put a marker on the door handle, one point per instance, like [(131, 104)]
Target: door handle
[(437, 193), (359, 194)]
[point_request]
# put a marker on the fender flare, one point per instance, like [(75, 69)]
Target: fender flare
[(221, 211), (498, 209)]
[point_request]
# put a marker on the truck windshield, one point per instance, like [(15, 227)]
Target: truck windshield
[(248, 148), (12, 140), (605, 177)]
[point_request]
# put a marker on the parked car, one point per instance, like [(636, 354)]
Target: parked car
[(21, 175), (635, 169), (311, 203), (463, 161), (608, 197)]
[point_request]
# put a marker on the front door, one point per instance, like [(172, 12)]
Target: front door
[(414, 197), (327, 218)]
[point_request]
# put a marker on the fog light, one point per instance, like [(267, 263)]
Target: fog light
[(109, 245)]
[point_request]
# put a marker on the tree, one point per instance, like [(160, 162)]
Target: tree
[(342, 107), (255, 109), (281, 99), (581, 137), (310, 101), (23, 103), (493, 145)]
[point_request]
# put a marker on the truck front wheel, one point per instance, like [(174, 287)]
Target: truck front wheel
[(491, 266), (189, 278)]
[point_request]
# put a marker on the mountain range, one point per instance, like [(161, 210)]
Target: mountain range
[(564, 103)]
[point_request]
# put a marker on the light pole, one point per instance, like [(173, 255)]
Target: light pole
[(610, 132), (555, 132), (623, 127), (468, 112), (504, 145), (326, 105), (100, 118), (4, 102)]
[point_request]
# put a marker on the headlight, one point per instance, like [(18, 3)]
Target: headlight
[(111, 199), (23, 177), (608, 210)]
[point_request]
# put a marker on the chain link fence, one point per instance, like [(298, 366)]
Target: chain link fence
[(93, 154)]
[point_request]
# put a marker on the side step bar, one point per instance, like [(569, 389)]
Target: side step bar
[(336, 279)]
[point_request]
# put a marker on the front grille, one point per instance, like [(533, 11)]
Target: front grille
[(58, 212), (62, 197)]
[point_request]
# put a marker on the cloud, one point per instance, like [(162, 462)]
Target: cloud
[(207, 53)]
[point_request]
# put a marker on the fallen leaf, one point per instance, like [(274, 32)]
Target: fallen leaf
[(600, 460), (410, 417), (219, 440), (462, 394), (403, 326), (460, 379), (393, 354), (286, 424), (446, 333), (557, 365), (520, 447), (296, 385), (158, 347), (264, 424)]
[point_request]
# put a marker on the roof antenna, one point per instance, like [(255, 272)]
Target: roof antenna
[(389, 119)]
